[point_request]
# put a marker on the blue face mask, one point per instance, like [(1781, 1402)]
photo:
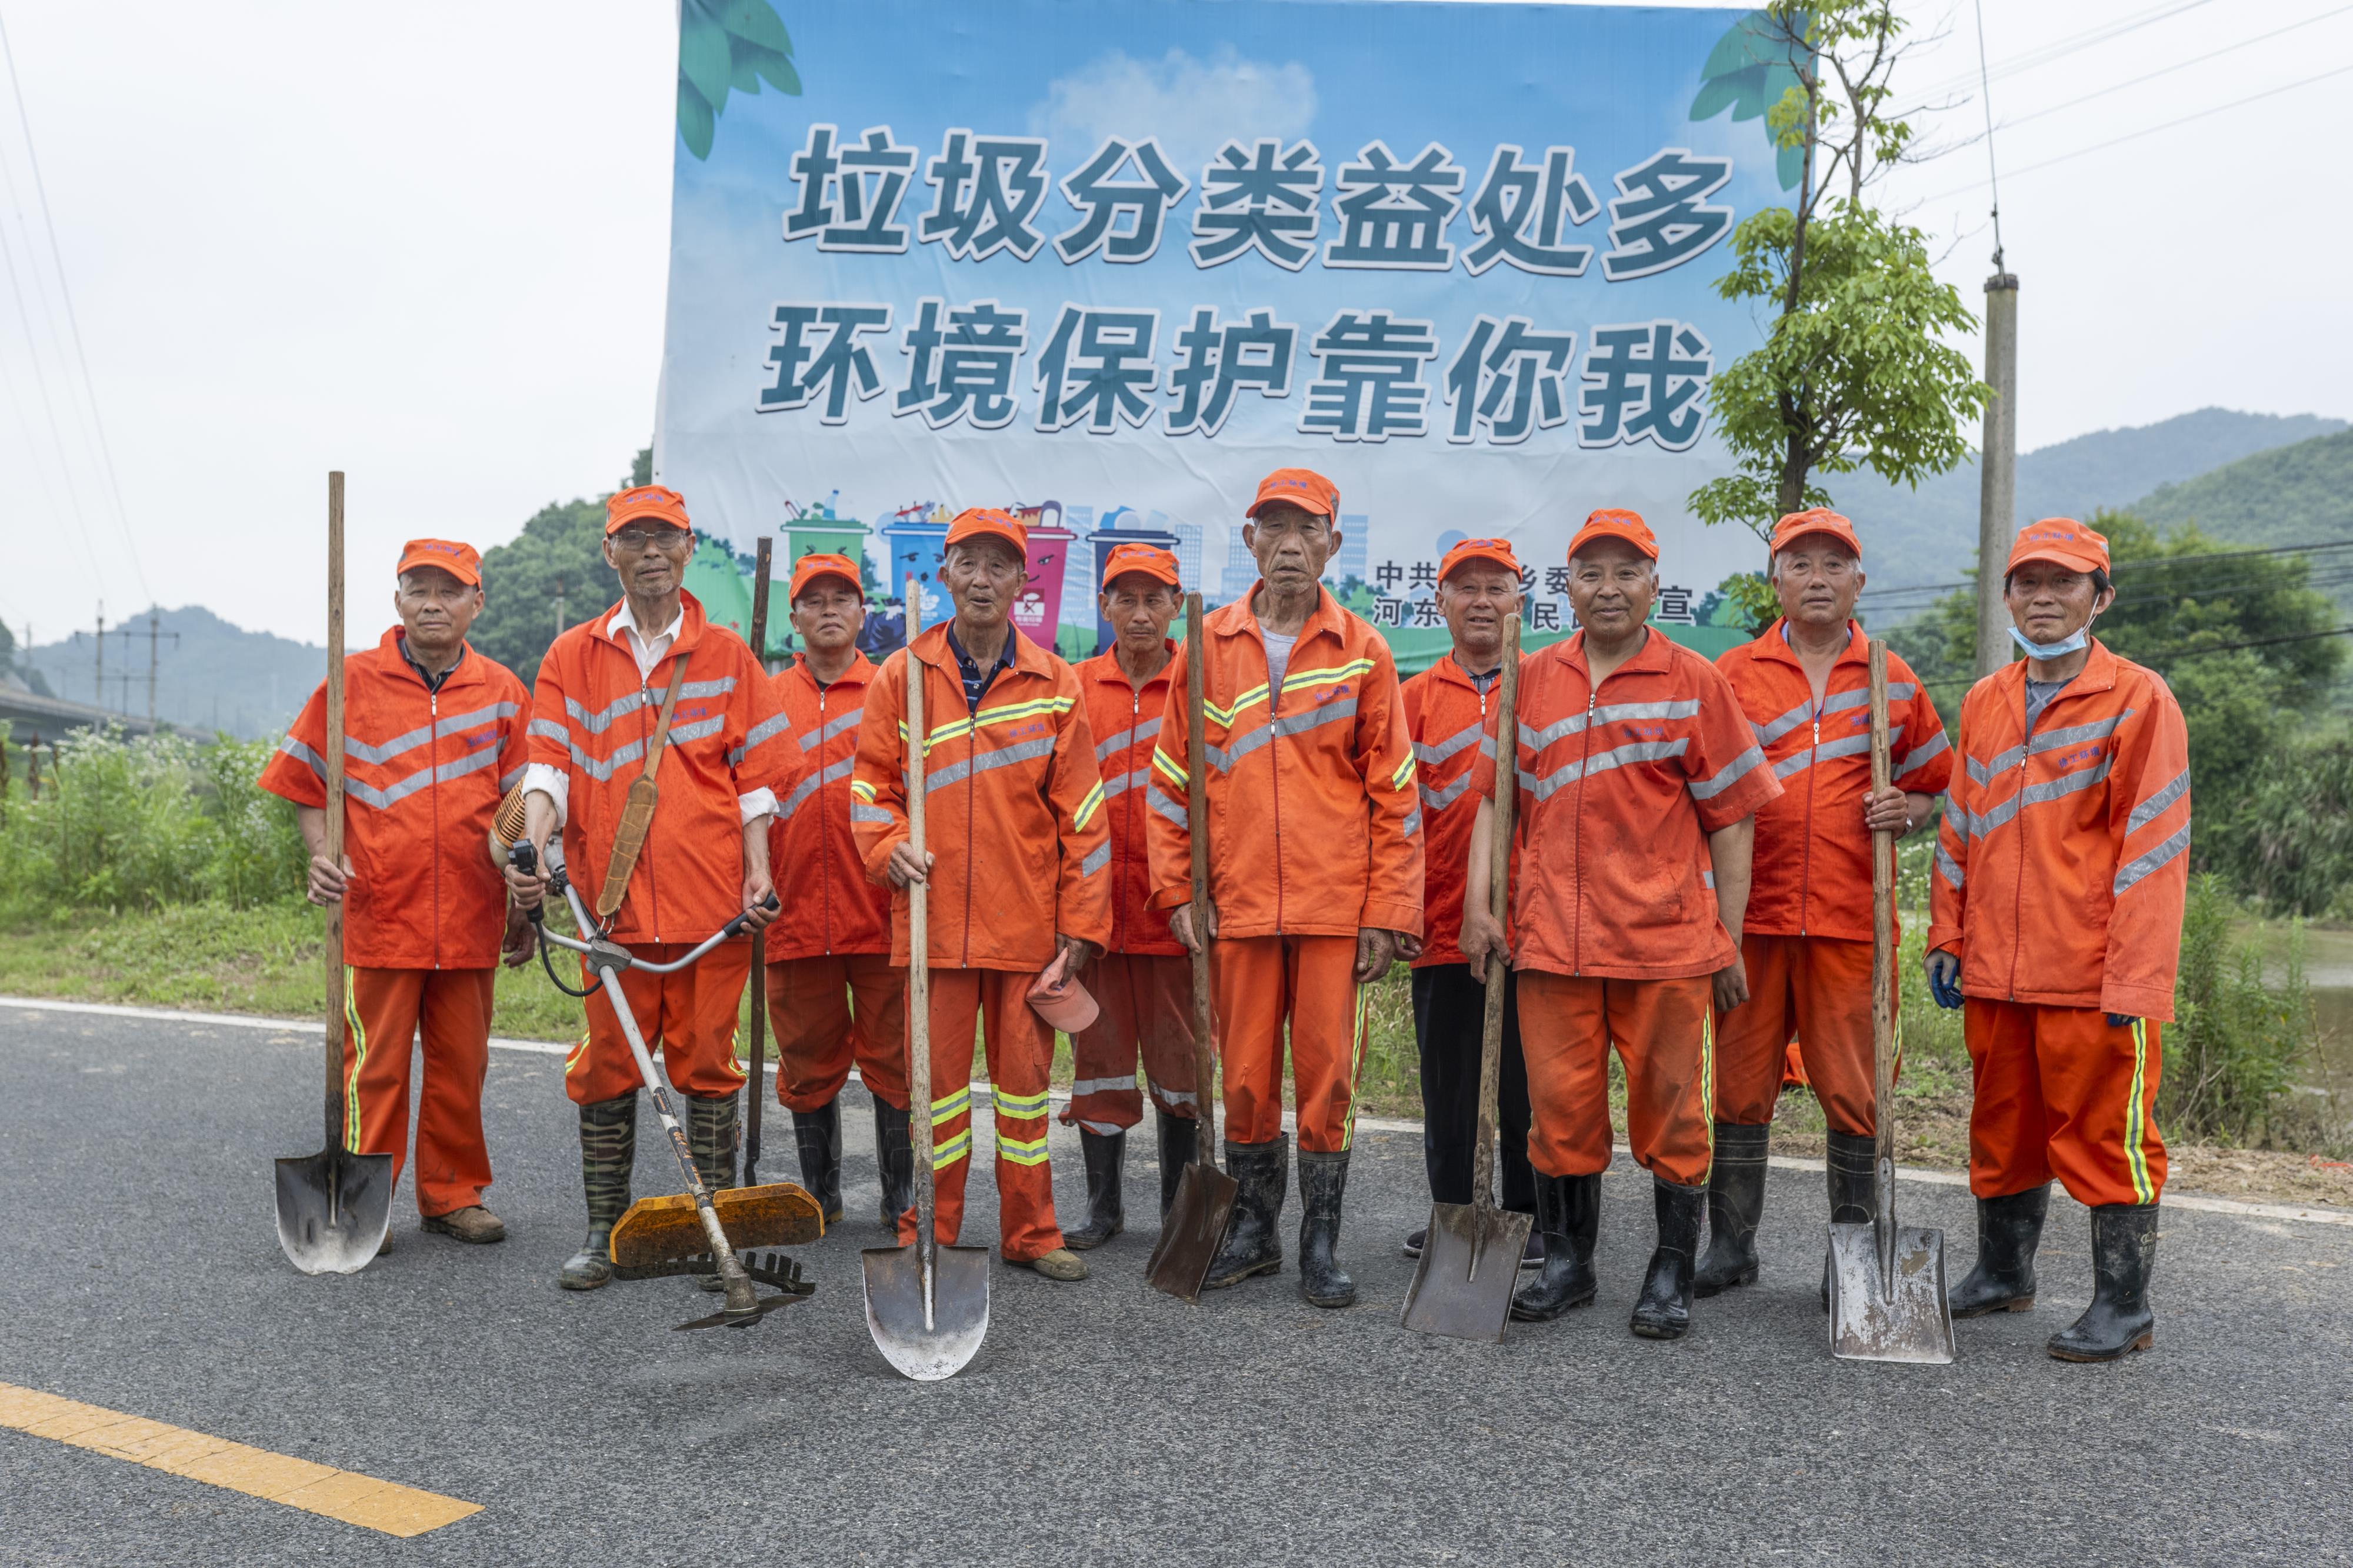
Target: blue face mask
[(2079, 638)]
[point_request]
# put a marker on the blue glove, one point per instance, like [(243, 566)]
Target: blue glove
[(1945, 980), (2122, 1020)]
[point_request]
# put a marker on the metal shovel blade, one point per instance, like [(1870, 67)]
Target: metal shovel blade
[(927, 1350), (332, 1209), (1903, 1316), (1462, 1287), (1193, 1230)]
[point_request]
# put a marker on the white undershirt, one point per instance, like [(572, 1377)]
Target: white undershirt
[(1278, 658)]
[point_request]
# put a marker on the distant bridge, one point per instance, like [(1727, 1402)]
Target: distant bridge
[(50, 718)]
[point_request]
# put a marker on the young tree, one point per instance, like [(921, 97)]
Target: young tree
[(1854, 373)]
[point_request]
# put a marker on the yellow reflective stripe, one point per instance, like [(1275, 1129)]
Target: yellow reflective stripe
[(952, 1104), (1707, 1080), (2136, 1122), (955, 1149), (1170, 770), (1332, 677), (359, 1060), (1356, 1066), (1021, 1105), (1031, 1153), (1085, 814), (1404, 774), (1226, 715), (862, 789)]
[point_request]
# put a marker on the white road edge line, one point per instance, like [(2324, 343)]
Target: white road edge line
[(1370, 1123)]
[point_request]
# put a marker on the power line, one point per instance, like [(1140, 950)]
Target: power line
[(2144, 656), (2060, 48), (2120, 568), (1993, 173), (2164, 70)]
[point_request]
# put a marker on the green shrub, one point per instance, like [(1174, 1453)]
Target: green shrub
[(2235, 1038)]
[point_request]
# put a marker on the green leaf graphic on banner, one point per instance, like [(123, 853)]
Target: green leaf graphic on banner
[(1743, 74), (727, 46)]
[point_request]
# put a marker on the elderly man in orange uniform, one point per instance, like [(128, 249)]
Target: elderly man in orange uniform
[(1315, 867), (1638, 782), (1145, 982), (1447, 707), (834, 995), (424, 905), (1018, 863), (603, 687), (1804, 684), (2061, 867)]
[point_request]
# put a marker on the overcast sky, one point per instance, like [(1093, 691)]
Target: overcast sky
[(426, 244)]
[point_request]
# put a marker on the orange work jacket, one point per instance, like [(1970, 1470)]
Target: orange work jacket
[(423, 771), (2063, 861), (1314, 825), (1013, 807), (829, 906), (1616, 801), (1448, 718), (1126, 723), (728, 737), (1811, 876)]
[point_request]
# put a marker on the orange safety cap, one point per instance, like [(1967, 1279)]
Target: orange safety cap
[(1149, 559), (2061, 540), (1815, 519), (659, 502), (816, 565), (462, 562), (1302, 487), (1061, 1000), (1498, 551), (1616, 523), (974, 523)]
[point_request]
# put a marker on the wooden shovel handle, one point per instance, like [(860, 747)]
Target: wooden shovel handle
[(1499, 904), (1882, 922), (334, 956), (919, 951), (1197, 820)]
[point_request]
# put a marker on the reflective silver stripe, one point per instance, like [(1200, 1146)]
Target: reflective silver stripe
[(810, 786), (509, 779), (1731, 773), (391, 795), (1431, 755), (1768, 732), (1845, 746), (693, 688), (766, 730), (623, 755), (981, 762), (1836, 702), (1174, 1097), (1121, 784), (1947, 865), (860, 812), (1102, 1085), (1707, 879), (1125, 738), (1289, 724), (304, 755), (1613, 713), (479, 717), (1440, 799), (598, 723), (2155, 806), (360, 750), (2049, 741), (548, 729), (1157, 799), (1100, 1128), (834, 726), (1412, 822), (1926, 750), (2075, 783), (1602, 762), (679, 735), (2132, 871), (1097, 858), (1957, 818)]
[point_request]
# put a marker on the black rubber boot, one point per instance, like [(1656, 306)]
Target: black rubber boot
[(609, 1153), (893, 1162), (1735, 1200), (1323, 1190), (711, 1139), (1261, 1173), (818, 1135), (1663, 1311), (1853, 1170), (1568, 1218), (2002, 1279), (2123, 1255), (1179, 1142), (1106, 1205)]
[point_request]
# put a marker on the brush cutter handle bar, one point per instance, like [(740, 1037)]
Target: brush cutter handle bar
[(621, 958)]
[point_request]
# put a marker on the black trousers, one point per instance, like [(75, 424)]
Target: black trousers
[(1449, 1008)]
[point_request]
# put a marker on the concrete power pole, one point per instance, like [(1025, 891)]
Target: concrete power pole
[(155, 634), (1998, 469), (99, 686)]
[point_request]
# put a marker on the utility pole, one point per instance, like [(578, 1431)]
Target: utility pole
[(99, 686), (1998, 469), (559, 604), (155, 633)]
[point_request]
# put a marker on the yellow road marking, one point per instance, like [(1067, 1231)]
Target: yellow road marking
[(354, 1498)]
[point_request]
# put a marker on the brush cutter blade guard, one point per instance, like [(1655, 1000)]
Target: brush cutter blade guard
[(660, 1229), (333, 1208), (927, 1341), (1469, 1265), (1901, 1314), (1193, 1231)]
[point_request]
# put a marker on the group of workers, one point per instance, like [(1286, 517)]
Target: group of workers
[(1689, 884)]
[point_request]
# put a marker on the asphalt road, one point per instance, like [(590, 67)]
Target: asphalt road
[(1102, 1422)]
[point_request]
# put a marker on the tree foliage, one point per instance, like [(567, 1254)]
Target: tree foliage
[(559, 557)]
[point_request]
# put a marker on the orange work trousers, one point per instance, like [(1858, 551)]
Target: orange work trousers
[(383, 1010), (1147, 1012), (831, 1010), (1818, 989), (2060, 1091), (1666, 1033), (688, 1019), (1258, 984), (1019, 1046)]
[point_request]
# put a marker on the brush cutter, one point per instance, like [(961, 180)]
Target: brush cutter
[(696, 1229), (1204, 1206), (334, 1206), (1887, 1281), (1471, 1257), (926, 1305)]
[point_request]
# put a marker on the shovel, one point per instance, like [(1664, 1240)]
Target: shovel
[(1887, 1281), (1471, 1257), (926, 1305), (333, 1206), (1195, 1224)]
